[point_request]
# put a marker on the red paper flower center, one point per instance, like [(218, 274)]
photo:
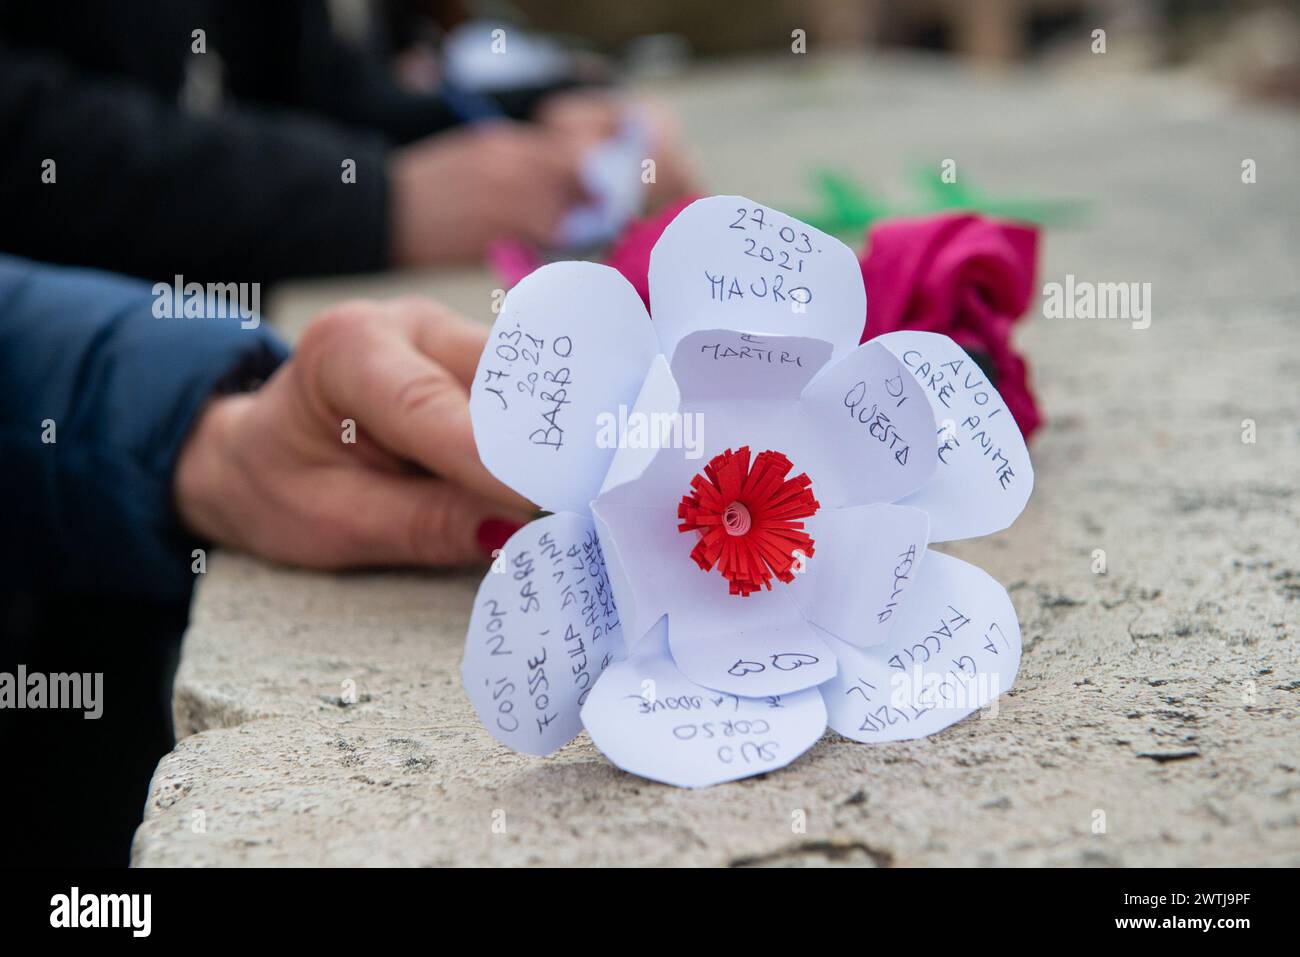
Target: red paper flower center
[(748, 518)]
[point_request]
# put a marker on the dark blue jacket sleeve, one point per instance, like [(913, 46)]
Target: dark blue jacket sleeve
[(97, 395)]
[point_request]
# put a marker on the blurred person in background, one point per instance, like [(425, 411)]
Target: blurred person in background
[(250, 141)]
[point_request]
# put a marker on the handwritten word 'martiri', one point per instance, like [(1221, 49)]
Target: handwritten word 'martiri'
[(720, 351)]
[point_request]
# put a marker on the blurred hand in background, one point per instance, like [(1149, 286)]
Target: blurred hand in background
[(588, 117), (453, 194)]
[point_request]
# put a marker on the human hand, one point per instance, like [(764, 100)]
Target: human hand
[(585, 117), (454, 194), (588, 117), (272, 472)]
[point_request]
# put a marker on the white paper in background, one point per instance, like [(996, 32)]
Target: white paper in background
[(872, 419), (862, 573), (954, 648), (572, 343), (611, 174), (735, 366), (474, 59), (727, 261), (647, 718), (984, 476), (544, 628)]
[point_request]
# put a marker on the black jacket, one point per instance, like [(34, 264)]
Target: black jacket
[(144, 185)]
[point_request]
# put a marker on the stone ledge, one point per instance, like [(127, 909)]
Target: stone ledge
[(1162, 693)]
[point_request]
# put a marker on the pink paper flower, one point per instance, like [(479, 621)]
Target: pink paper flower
[(631, 254), (962, 275)]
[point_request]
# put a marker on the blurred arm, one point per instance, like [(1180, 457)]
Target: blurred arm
[(84, 362), (145, 188)]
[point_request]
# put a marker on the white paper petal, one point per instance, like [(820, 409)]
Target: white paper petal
[(984, 475), (543, 629), (863, 569), (691, 434), (954, 648), (712, 631), (874, 429), (573, 341), (639, 595), (770, 651), (653, 422), (706, 622), (727, 262), (636, 516), (649, 719), (731, 365), (656, 569)]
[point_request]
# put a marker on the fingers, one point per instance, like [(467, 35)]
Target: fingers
[(676, 173), (455, 193), (371, 371), (538, 178), (377, 519), (590, 117), (455, 343), (525, 150)]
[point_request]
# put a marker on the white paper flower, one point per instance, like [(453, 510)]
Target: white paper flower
[(673, 604)]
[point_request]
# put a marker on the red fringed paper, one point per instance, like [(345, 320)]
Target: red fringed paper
[(748, 518)]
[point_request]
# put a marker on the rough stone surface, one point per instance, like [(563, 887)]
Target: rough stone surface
[(1162, 694)]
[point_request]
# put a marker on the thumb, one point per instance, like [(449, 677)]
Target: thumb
[(388, 519)]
